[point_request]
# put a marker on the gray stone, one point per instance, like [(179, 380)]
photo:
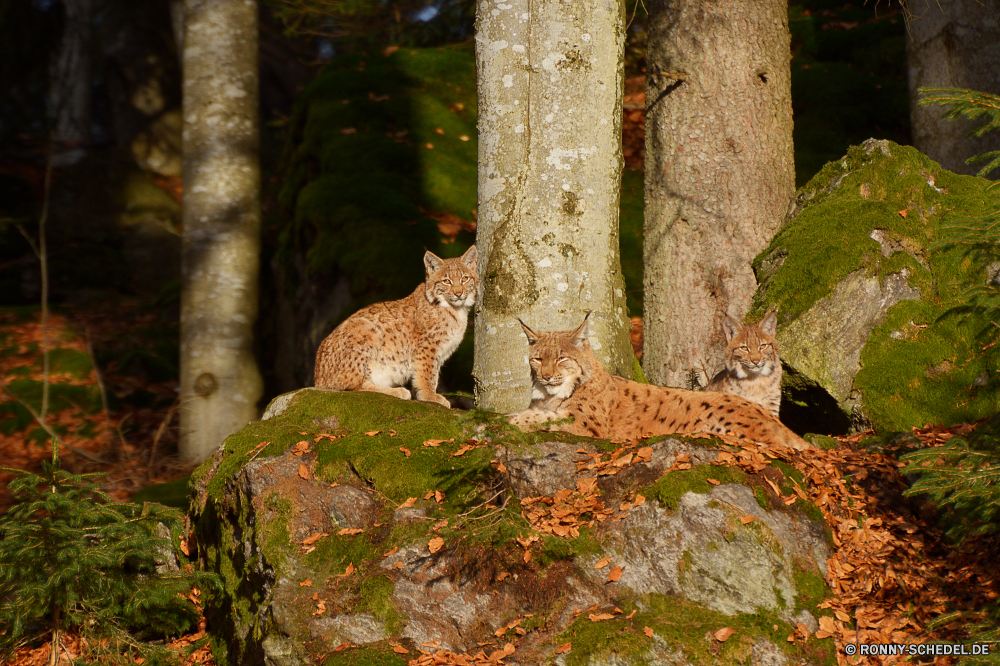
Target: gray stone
[(357, 629), (281, 651), (825, 342), (703, 553)]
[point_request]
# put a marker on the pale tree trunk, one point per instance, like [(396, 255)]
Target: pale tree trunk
[(550, 161), (220, 382), (952, 44), (719, 172), (70, 98)]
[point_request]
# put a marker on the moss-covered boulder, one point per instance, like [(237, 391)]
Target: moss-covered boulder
[(354, 528), (865, 299)]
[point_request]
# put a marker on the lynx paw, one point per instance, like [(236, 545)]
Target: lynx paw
[(435, 397)]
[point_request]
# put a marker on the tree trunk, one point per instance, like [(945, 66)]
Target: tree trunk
[(550, 161), (220, 382), (70, 87), (952, 44), (719, 172)]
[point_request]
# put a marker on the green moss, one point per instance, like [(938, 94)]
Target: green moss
[(556, 549), (637, 374), (822, 441), (376, 598), (172, 493), (810, 587), (686, 626), (376, 654), (275, 541), (669, 489), (928, 376), (69, 361)]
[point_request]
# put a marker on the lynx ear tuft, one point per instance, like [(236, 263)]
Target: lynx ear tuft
[(532, 336), (730, 327), (770, 323), (432, 262), (471, 257), (582, 332)]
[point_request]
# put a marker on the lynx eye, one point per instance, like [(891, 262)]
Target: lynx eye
[(446, 281), (744, 348), (465, 278), (765, 346)]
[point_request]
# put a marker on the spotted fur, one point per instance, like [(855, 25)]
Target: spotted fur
[(385, 346), (570, 383), (753, 369)]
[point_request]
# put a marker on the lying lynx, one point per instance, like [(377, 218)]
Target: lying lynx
[(568, 381), (753, 369), (386, 345)]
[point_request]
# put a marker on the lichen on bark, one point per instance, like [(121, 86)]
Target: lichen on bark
[(550, 85)]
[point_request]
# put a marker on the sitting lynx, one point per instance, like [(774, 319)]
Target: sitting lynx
[(386, 345), (568, 381), (753, 369)]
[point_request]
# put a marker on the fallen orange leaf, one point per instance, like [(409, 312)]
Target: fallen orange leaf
[(603, 562), (564, 648), (435, 544), (746, 520), (724, 634), (304, 472), (615, 575), (405, 450), (647, 631)]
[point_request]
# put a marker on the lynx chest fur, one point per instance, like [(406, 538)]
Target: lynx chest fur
[(386, 346), (753, 369), (569, 382)]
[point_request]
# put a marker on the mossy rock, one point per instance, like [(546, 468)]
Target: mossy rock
[(867, 330), (341, 498)]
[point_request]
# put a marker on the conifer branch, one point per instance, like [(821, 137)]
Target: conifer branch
[(971, 104)]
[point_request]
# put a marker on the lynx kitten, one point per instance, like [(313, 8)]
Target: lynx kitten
[(386, 345), (753, 369), (568, 381)]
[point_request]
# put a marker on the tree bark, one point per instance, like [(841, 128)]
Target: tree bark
[(220, 382), (952, 44), (70, 97), (719, 172), (550, 106)]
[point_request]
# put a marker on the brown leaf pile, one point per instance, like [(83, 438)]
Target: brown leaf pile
[(892, 572), (447, 657)]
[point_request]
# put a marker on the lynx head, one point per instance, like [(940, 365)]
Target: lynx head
[(752, 350), (451, 282), (560, 361)]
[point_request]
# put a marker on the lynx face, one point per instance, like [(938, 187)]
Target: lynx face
[(752, 350), (452, 281), (555, 370)]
